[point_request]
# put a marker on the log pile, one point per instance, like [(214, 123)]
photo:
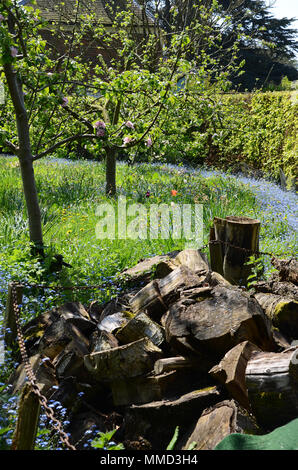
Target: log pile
[(182, 347)]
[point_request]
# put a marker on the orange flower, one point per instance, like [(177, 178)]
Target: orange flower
[(174, 192)]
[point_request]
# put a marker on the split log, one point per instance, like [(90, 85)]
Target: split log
[(127, 361), (232, 235), (214, 325), (283, 312), (44, 373), (156, 421), (57, 336), (142, 272), (139, 327), (272, 384), (169, 364), (284, 289), (287, 269), (156, 297), (231, 371), (142, 389), (112, 323), (70, 361), (27, 422), (215, 423), (102, 340)]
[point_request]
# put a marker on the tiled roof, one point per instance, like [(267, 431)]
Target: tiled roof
[(52, 11)]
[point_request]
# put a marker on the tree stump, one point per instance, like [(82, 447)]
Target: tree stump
[(232, 241)]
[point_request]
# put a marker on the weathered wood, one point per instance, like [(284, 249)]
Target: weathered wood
[(214, 325), (102, 340), (142, 272), (287, 269), (159, 294), (231, 371), (147, 420), (127, 361), (139, 327), (44, 373), (283, 312), (215, 423), (215, 252), (9, 325), (142, 389), (284, 289), (57, 336), (27, 421), (272, 384), (112, 323), (174, 363), (233, 234)]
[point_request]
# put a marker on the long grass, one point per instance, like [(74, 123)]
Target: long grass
[(70, 192)]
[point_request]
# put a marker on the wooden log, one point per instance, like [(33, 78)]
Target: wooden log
[(142, 389), (27, 422), (234, 234), (169, 364), (284, 289), (43, 370), (142, 272), (212, 326), (215, 252), (217, 422), (9, 325), (112, 323), (139, 327), (272, 384), (287, 269), (231, 371), (156, 421), (102, 340), (127, 361), (156, 297), (283, 312)]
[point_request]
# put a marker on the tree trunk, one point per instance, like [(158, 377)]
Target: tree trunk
[(110, 172), (235, 239), (25, 157)]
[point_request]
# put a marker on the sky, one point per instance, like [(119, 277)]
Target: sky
[(285, 8)]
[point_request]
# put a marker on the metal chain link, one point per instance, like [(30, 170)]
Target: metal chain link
[(30, 374)]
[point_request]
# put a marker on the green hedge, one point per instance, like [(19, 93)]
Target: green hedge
[(260, 129)]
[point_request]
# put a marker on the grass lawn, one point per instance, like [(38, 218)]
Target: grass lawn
[(69, 194)]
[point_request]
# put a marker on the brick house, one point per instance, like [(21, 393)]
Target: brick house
[(61, 16)]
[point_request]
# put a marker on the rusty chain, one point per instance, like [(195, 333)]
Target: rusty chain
[(30, 374)]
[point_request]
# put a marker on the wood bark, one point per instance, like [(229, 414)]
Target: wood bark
[(272, 384), (232, 235), (139, 327), (110, 172), (158, 295), (217, 422), (283, 312), (27, 421), (127, 361), (146, 420), (142, 389), (287, 269), (210, 327), (25, 157), (231, 371)]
